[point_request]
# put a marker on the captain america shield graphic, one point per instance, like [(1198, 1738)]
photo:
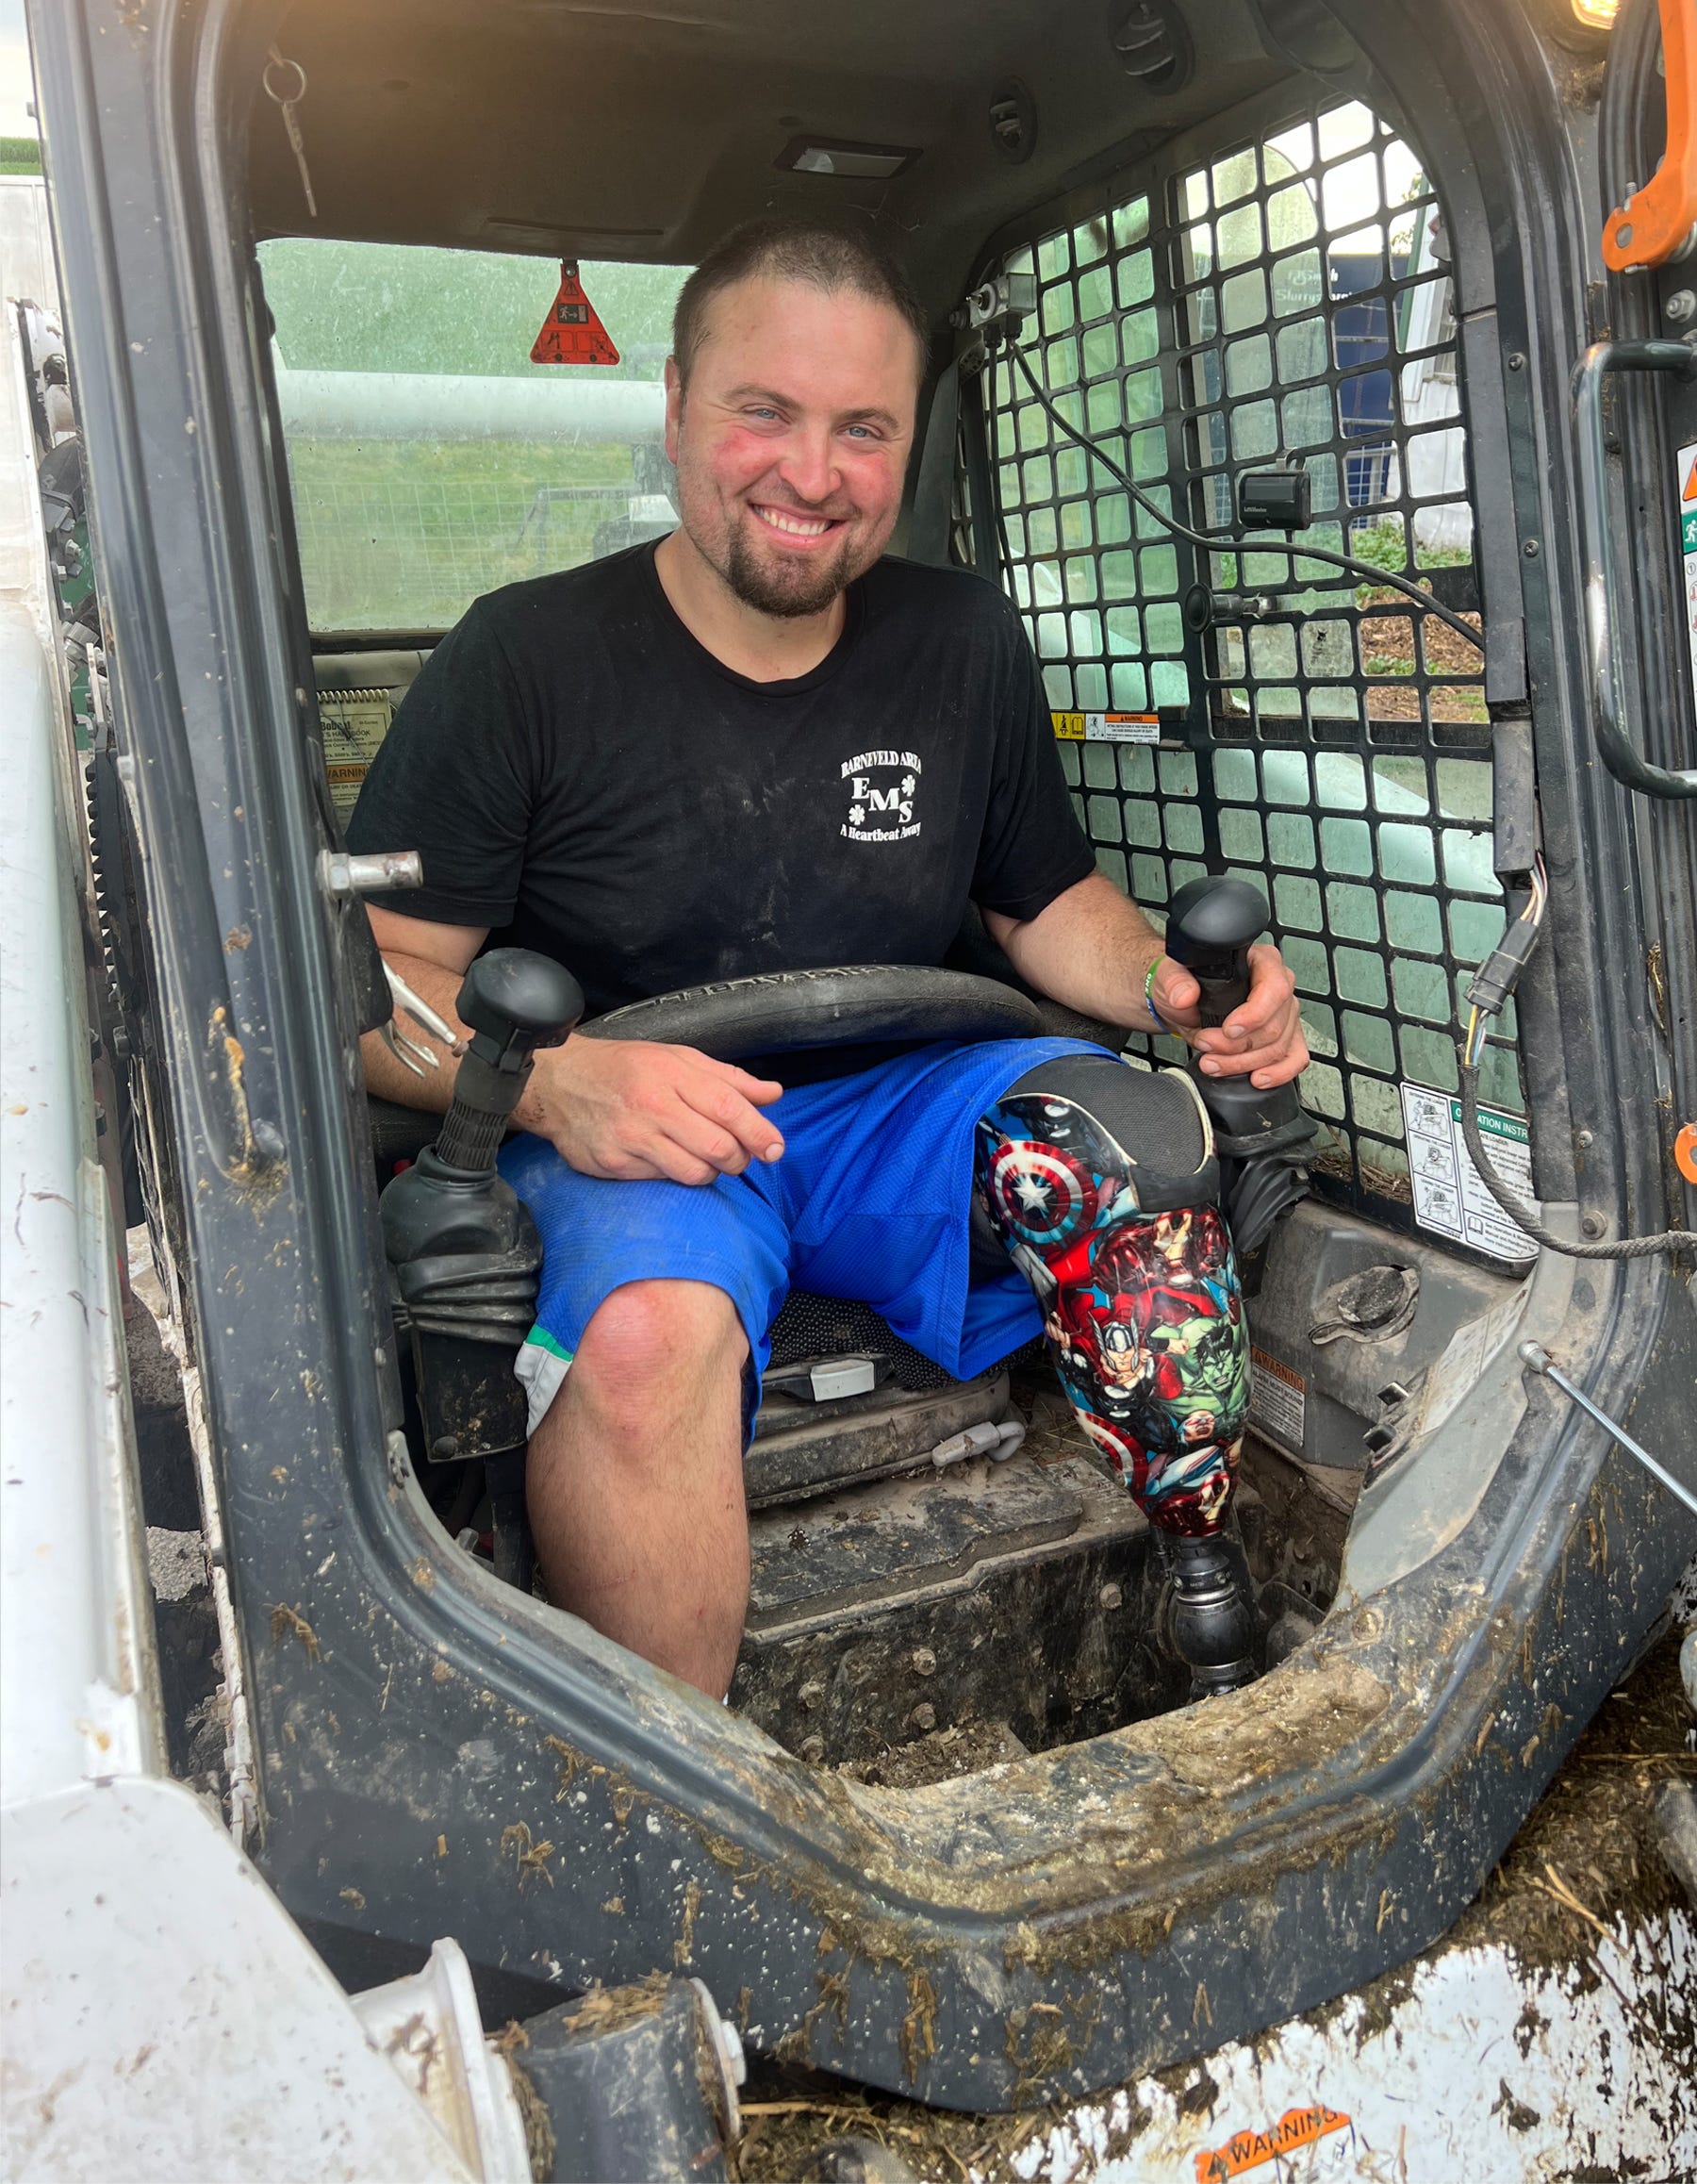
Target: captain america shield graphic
[(1129, 1459), (1042, 1194)]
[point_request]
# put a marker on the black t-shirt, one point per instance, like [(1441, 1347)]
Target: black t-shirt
[(584, 778)]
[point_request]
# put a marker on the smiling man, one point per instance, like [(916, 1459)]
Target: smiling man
[(764, 745)]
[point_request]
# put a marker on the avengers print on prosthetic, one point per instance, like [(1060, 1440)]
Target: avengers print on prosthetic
[(1133, 1270)]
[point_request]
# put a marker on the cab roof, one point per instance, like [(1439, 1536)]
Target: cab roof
[(645, 130)]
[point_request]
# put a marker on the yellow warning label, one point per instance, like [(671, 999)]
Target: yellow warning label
[(1107, 727)]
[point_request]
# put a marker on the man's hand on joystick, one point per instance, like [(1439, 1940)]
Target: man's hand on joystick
[(1262, 1038)]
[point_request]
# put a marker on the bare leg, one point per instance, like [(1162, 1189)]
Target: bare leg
[(634, 1480)]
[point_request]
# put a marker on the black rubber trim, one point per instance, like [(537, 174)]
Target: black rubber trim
[(782, 1011)]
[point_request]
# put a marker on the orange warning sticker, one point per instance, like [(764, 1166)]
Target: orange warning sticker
[(1689, 493), (572, 332), (1247, 2150)]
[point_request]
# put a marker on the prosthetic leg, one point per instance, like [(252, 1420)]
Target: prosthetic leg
[(1133, 1269)]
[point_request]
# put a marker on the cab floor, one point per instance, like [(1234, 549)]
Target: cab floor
[(912, 1629)]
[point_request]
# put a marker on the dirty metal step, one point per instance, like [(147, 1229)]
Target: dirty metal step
[(801, 1448), (1024, 1593)]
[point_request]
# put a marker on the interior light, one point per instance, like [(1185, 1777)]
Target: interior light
[(1596, 14), (849, 162)]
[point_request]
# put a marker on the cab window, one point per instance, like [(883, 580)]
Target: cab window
[(430, 461)]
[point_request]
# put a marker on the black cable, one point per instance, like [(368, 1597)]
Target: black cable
[(1234, 542), (992, 448), (1517, 1210), (1494, 980)]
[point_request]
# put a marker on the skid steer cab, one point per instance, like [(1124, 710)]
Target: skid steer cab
[(1318, 383)]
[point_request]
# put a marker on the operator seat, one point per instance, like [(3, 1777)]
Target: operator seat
[(845, 1398)]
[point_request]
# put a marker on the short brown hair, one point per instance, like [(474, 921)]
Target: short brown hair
[(793, 247)]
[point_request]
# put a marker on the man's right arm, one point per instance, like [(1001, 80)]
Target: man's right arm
[(623, 1109), (433, 960)]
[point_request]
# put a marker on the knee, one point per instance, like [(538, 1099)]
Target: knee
[(650, 1343), (1100, 1130)]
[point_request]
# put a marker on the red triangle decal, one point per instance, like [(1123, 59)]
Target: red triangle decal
[(1691, 486), (572, 332)]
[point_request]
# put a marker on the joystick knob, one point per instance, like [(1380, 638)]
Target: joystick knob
[(1210, 924), (1262, 1137), (512, 1003)]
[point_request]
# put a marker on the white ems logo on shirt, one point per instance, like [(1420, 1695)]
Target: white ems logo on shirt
[(883, 787)]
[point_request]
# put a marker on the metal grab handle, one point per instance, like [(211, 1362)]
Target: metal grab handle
[(1596, 541)]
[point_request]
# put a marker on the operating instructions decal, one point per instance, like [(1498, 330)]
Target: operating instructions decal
[(353, 723), (1450, 1197)]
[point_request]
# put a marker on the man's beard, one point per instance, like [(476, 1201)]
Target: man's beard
[(786, 590)]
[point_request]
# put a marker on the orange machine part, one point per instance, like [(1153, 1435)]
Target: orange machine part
[(1685, 1152), (1657, 221), (572, 332)]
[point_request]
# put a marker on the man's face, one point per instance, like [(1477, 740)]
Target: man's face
[(793, 438)]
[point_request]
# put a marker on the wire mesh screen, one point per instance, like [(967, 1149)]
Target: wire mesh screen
[(1286, 304)]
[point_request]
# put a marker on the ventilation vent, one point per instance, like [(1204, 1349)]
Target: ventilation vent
[(1153, 43)]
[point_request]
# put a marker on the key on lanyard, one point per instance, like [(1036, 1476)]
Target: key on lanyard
[(288, 104)]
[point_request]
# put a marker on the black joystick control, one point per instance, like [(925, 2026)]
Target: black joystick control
[(1261, 1137), (1210, 924), (512, 1003), (464, 1256)]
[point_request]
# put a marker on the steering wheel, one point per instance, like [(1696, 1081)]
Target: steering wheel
[(774, 1013), (849, 1005)]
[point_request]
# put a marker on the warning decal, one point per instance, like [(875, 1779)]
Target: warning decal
[(1450, 1196), (1107, 727), (572, 332), (1469, 1351), (353, 723), (1687, 544), (1247, 2150), (1277, 1402)]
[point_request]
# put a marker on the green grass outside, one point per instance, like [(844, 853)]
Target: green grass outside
[(19, 156), (405, 534)]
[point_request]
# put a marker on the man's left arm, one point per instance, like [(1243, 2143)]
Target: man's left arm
[(1091, 949)]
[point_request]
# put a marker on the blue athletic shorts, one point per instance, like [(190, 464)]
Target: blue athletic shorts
[(871, 1201)]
